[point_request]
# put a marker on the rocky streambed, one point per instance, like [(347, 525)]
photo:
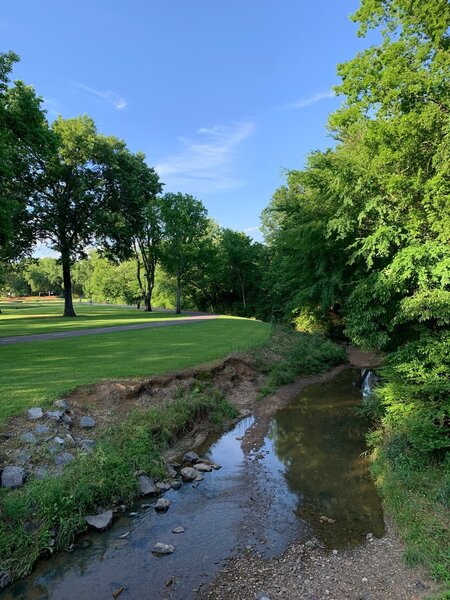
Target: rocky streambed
[(291, 513)]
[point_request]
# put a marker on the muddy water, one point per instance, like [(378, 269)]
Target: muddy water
[(309, 467)]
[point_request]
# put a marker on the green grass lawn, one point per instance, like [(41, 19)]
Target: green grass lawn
[(38, 372), (27, 318)]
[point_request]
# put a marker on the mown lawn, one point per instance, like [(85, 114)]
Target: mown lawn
[(36, 373), (27, 318)]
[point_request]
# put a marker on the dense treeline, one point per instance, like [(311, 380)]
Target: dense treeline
[(360, 239)]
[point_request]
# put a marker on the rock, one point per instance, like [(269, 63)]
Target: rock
[(216, 467), (87, 421), (67, 420), (189, 473), (199, 477), (64, 458), (13, 477), (262, 596), (5, 579), (124, 535), (54, 415), (175, 484), (161, 549), (133, 514), (28, 437), (178, 529), (101, 521), (364, 580), (191, 458), (163, 487), (202, 467), (42, 430), (162, 505), (171, 471), (23, 457), (35, 413), (87, 445), (61, 404), (58, 440), (335, 552), (147, 486), (116, 593), (41, 472)]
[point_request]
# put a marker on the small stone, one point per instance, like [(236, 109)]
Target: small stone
[(41, 472), (262, 596), (147, 486), (203, 468), (67, 420), (216, 467), (35, 413), (87, 421), (163, 487), (28, 437), (23, 457), (13, 477), (199, 477), (309, 544), (5, 579), (124, 535), (42, 430), (178, 529), (171, 471), (335, 552), (55, 415), (175, 484), (64, 458), (101, 521), (87, 445), (191, 458), (133, 514), (145, 505), (161, 549), (162, 505), (58, 440), (189, 473), (62, 404), (364, 580)]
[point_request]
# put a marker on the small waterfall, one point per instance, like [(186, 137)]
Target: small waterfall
[(368, 382)]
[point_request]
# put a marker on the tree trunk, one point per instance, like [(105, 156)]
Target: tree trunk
[(178, 309), (242, 289), (148, 302), (68, 304)]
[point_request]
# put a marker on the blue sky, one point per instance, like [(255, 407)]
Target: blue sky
[(221, 96)]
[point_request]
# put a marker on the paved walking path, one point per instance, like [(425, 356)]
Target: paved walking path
[(37, 337)]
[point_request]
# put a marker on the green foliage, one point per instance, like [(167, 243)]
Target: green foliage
[(106, 476)]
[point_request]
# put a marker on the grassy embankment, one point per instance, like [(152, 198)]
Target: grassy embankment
[(36, 373)]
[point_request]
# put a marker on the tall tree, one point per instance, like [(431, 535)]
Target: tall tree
[(72, 194), (185, 225), (24, 143)]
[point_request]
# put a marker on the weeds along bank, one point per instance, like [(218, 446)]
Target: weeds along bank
[(139, 423)]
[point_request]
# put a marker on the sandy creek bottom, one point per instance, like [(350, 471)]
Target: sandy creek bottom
[(311, 465)]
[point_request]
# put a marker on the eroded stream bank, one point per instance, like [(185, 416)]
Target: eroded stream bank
[(305, 481)]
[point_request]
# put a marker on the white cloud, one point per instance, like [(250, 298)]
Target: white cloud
[(206, 163), (112, 97), (310, 101), (250, 229)]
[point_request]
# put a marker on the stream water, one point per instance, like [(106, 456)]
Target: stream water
[(311, 466)]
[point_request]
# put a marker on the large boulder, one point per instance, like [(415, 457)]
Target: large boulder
[(189, 473), (147, 486), (13, 477), (100, 521), (87, 421), (35, 413), (190, 458)]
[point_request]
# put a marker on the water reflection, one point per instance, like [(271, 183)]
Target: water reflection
[(320, 440)]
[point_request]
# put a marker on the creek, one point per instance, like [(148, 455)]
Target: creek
[(309, 479)]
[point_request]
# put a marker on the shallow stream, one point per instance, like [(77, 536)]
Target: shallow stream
[(310, 478)]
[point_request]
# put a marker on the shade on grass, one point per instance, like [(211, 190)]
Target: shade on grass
[(38, 372), (28, 318)]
